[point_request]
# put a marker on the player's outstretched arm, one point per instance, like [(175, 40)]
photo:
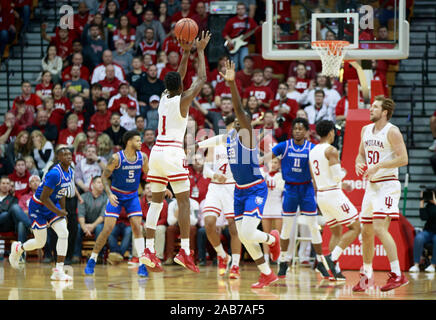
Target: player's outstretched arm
[(244, 122), (45, 199), (107, 172), (195, 88), (183, 66)]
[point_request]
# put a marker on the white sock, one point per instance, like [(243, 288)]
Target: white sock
[(283, 257), (94, 256), (220, 251), (149, 244), (235, 259), (395, 267), (264, 268), (367, 269), (139, 245), (60, 266), (319, 258), (185, 245), (338, 269), (336, 253), (266, 257)]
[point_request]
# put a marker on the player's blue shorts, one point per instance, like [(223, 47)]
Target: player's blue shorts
[(40, 216), (302, 195), (250, 201), (128, 200)]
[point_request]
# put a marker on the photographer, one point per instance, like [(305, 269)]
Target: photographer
[(427, 212)]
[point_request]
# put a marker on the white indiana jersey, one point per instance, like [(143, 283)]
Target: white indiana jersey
[(321, 167), (378, 149), (221, 163), (275, 184), (172, 126)]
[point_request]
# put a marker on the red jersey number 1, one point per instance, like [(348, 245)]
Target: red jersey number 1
[(164, 121)]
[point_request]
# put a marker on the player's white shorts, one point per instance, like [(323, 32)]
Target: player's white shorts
[(336, 207), (219, 200), (168, 164), (381, 200), (273, 208)]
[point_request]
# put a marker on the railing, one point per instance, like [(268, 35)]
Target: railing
[(424, 70)]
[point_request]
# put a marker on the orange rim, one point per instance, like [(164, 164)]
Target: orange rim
[(333, 45)]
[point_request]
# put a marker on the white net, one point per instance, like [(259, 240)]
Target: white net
[(332, 53)]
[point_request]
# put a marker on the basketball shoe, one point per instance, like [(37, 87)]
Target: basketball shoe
[(89, 269), (337, 275), (323, 270), (364, 283), (14, 256), (150, 260), (283, 268), (142, 271), (223, 265), (186, 261), (275, 247), (265, 280), (394, 281), (60, 275), (234, 272)]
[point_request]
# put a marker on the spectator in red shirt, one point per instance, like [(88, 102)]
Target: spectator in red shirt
[(149, 141), (303, 82), (77, 60), (161, 227), (215, 76), (67, 135), (239, 24), (125, 32), (170, 43), (269, 81), (7, 25), (199, 183), (261, 92), (9, 129), (102, 118), (61, 106), (24, 114), (201, 16), (309, 65), (222, 90), (20, 177), (44, 89), (285, 109), (149, 45), (136, 14), (245, 75), (172, 65), (185, 11), (383, 35), (34, 182), (379, 75), (110, 84), (121, 101), (63, 40), (81, 18), (206, 98), (30, 99)]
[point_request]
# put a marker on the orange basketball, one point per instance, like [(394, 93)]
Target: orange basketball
[(186, 29)]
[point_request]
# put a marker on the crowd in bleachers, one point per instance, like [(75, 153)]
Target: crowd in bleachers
[(105, 77)]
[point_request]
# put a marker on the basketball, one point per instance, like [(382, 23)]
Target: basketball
[(186, 29)]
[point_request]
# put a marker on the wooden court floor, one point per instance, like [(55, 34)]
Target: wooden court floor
[(122, 283)]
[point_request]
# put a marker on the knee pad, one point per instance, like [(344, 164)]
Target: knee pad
[(153, 215), (287, 224), (314, 229), (60, 227)]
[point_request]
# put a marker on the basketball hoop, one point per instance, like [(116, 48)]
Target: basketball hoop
[(332, 53)]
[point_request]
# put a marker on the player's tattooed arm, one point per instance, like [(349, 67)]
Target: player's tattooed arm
[(107, 172)]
